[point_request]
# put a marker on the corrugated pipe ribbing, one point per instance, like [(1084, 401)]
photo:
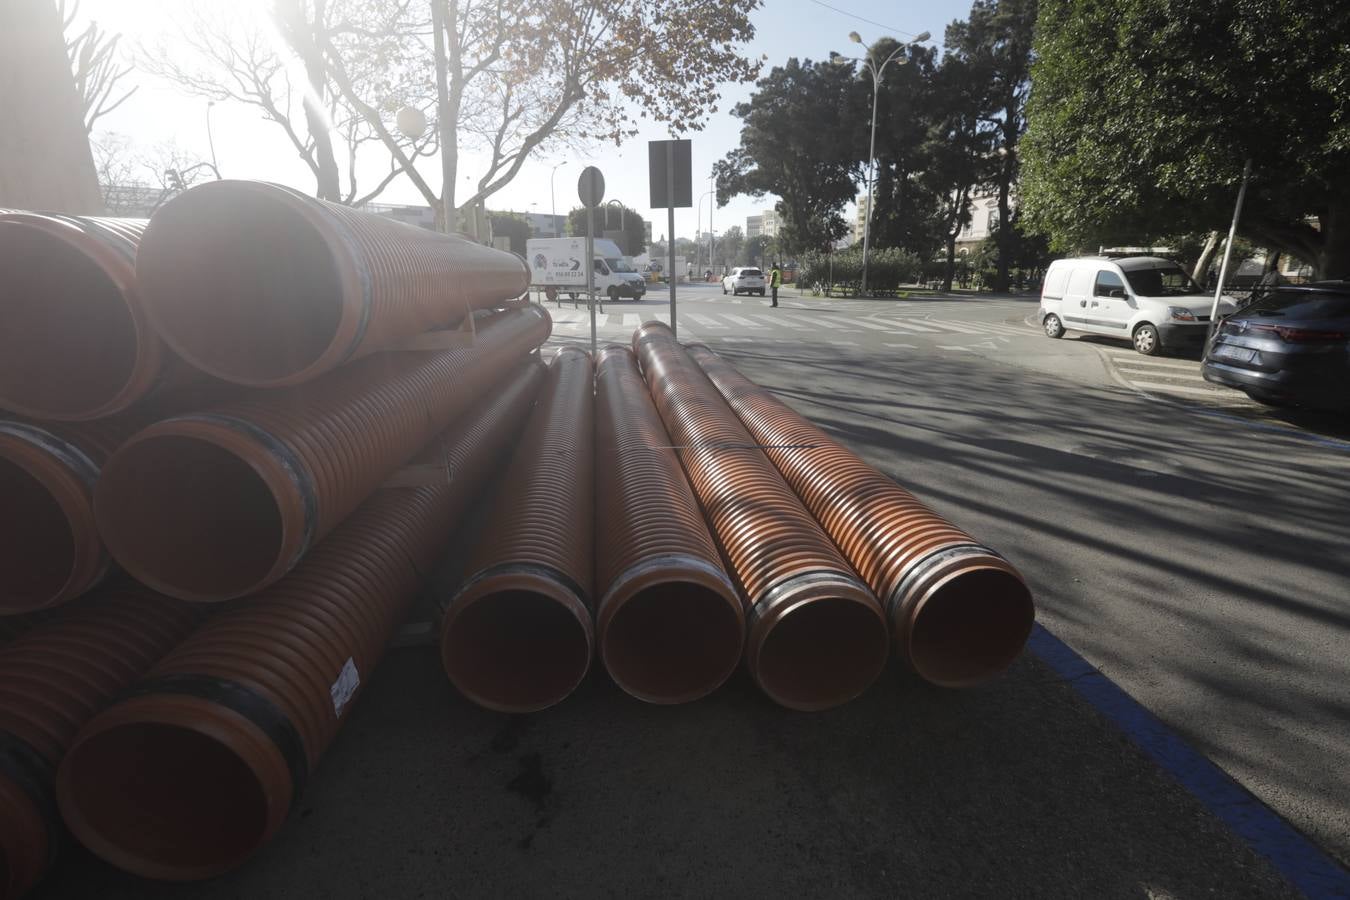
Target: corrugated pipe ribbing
[(669, 623), (50, 549), (221, 503), (52, 681), (960, 612), (518, 636), (77, 342), (264, 286), (198, 765), (817, 635)]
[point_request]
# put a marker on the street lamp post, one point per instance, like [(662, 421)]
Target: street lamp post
[(876, 71), (698, 245), (553, 198)]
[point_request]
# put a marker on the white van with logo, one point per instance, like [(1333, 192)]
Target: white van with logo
[(1147, 300), (558, 263)]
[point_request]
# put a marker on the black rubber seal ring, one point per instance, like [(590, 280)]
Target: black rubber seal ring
[(547, 572), (295, 468), (269, 717), (36, 777)]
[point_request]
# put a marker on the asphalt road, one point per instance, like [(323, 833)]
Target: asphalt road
[(1191, 548)]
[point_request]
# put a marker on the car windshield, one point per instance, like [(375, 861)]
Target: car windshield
[(619, 265), (1302, 305), (751, 273), (1161, 281)]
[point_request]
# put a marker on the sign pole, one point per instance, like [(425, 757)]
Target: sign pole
[(590, 269), (670, 230), (1228, 248)]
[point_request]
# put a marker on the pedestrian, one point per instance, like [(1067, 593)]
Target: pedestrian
[(775, 279)]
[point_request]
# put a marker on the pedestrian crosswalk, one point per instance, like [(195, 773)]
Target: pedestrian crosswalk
[(801, 324), (1169, 377)]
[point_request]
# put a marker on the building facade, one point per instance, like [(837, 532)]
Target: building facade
[(754, 226)]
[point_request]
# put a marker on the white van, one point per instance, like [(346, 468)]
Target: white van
[(557, 263), (1147, 300)]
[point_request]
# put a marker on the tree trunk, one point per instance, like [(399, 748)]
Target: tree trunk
[(302, 35), (1333, 257), (1201, 268), (1005, 234), (45, 161), (951, 263)]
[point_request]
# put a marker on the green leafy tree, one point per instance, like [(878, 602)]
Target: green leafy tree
[(513, 226), (994, 47), (729, 246), (755, 249), (904, 208), (612, 218), (1147, 133), (799, 141)]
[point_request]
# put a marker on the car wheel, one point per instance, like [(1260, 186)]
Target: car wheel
[(613, 294), (1146, 340), (572, 296), (1054, 328), (724, 290), (1269, 400)]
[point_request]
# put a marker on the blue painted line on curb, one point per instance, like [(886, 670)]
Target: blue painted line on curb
[(1297, 858)]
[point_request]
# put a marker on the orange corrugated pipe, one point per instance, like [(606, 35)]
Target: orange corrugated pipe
[(52, 681), (518, 636), (218, 504), (265, 286), (669, 623), (960, 612), (199, 765), (76, 342), (50, 550), (817, 635)]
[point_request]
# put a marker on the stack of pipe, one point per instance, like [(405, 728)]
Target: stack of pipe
[(261, 285), (50, 549), (518, 636), (817, 635), (52, 681), (199, 765), (959, 611), (669, 623), (77, 343), (221, 503)]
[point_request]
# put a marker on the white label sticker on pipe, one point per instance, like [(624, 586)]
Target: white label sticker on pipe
[(348, 681)]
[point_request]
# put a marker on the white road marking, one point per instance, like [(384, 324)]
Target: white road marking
[(843, 343), (706, 322), (901, 346), (1168, 388), (632, 320), (959, 327), (913, 325), (738, 320)]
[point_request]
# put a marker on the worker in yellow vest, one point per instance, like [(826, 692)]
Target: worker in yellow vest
[(775, 279)]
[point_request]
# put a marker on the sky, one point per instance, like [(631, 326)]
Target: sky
[(248, 146)]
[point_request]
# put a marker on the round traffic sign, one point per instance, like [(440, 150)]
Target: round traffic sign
[(591, 187)]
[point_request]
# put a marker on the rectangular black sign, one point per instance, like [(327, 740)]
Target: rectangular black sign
[(684, 181)]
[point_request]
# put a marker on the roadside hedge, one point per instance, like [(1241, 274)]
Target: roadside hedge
[(888, 270)]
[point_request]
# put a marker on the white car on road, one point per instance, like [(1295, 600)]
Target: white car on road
[(744, 280), (1147, 300)]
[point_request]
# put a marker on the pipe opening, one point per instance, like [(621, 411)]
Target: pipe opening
[(37, 545), (159, 797), (69, 343), (242, 285), (673, 642), (822, 653), (517, 650), (971, 628), (189, 518)]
